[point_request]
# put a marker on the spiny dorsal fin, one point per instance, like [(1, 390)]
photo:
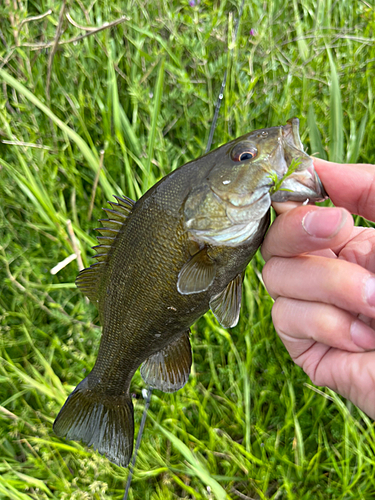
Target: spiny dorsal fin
[(88, 279)]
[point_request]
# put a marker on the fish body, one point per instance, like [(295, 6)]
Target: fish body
[(166, 259)]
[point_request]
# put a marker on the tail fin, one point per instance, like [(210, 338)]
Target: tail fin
[(103, 421)]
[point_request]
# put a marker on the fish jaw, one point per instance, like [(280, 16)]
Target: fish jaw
[(303, 184)]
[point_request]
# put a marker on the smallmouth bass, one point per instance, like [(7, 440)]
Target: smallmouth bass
[(166, 259)]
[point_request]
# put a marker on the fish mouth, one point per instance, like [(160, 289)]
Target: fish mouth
[(304, 183)]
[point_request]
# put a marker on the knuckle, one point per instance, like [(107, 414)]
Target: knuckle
[(366, 200), (268, 271), (278, 315), (266, 249), (313, 364)]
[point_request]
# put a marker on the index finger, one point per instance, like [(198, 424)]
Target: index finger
[(307, 229), (349, 186)]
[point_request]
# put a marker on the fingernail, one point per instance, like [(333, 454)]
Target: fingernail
[(362, 335), (370, 291), (324, 223)]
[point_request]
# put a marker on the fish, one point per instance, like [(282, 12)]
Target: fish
[(165, 260)]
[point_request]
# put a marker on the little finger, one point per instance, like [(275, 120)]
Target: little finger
[(319, 279), (297, 321)]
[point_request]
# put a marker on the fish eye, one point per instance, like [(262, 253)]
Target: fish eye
[(246, 156), (243, 152)]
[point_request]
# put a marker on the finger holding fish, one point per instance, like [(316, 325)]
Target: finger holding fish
[(344, 280), (312, 278), (307, 229), (349, 186), (324, 310), (281, 208)]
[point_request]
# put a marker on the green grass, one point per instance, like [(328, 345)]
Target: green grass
[(141, 95)]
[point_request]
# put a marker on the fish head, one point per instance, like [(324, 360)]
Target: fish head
[(238, 190), (250, 163)]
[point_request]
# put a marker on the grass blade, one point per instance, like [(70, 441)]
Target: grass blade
[(91, 157), (315, 137), (117, 122), (336, 128), (148, 178), (195, 464), (302, 45), (356, 139)]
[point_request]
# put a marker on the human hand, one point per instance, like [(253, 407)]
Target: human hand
[(320, 270)]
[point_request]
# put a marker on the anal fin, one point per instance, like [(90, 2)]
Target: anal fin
[(168, 370), (227, 304)]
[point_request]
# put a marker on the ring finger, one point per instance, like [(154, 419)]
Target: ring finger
[(343, 284)]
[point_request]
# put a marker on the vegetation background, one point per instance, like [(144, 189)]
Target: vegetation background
[(102, 97)]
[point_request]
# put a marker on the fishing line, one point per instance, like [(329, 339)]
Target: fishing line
[(146, 393), (223, 83)]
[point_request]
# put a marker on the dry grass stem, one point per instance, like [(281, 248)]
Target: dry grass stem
[(84, 28), (36, 18), (39, 46), (74, 240), (63, 263), (54, 48)]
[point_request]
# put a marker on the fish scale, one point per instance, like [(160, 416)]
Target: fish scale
[(163, 262)]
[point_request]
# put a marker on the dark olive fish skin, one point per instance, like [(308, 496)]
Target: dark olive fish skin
[(163, 262), (149, 316)]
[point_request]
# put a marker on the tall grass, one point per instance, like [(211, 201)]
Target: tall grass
[(140, 95)]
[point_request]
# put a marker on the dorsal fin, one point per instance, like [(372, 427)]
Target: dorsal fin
[(88, 279)]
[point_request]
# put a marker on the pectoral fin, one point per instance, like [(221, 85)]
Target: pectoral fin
[(197, 274), (168, 370), (227, 304)]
